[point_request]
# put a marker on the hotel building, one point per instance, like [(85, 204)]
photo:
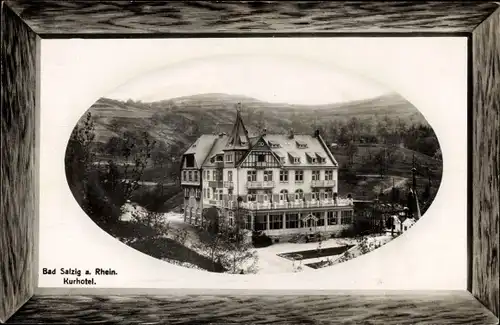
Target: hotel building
[(281, 184)]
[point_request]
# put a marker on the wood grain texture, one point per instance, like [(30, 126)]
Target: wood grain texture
[(486, 162), (167, 17), (17, 191), (439, 308)]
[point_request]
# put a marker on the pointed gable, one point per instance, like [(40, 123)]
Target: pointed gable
[(200, 149), (238, 138), (260, 144)]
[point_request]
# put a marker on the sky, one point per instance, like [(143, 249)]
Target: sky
[(272, 78)]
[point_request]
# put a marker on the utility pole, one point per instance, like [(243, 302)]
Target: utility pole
[(414, 175)]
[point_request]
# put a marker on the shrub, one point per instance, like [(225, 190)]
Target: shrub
[(260, 239)]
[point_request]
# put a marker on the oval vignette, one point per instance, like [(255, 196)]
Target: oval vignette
[(269, 173)]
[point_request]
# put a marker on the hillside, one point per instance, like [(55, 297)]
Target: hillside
[(180, 120)]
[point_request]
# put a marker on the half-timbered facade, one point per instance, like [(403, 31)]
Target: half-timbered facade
[(281, 184)]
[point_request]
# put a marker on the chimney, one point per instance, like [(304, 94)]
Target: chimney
[(291, 134), (316, 133), (264, 131)]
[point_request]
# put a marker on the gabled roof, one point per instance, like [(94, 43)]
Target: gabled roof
[(217, 148), (260, 144), (201, 148), (288, 147), (238, 138)]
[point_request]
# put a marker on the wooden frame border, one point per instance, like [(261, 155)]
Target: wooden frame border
[(24, 23)]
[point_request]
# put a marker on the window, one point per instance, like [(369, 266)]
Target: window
[(229, 158), (273, 144), (214, 175), (346, 217), (328, 175), (296, 160), (190, 161), (186, 192), (252, 175), (184, 175), (229, 175), (301, 145), (190, 173), (292, 221), (252, 195), (299, 194), (315, 195), (320, 219), (195, 176), (283, 195), (204, 193), (218, 195), (268, 175), (332, 218), (315, 175), (209, 194), (299, 176), (275, 221), (208, 175), (219, 158), (260, 222), (230, 193), (284, 176), (261, 158)]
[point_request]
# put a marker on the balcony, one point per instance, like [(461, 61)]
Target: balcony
[(298, 204), (228, 185), (215, 184), (281, 205), (190, 182), (256, 185), (325, 183)]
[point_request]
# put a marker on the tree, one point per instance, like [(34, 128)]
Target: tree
[(380, 161), (161, 155), (354, 129), (214, 246), (79, 160), (101, 189), (154, 222), (239, 257), (351, 150), (211, 218)]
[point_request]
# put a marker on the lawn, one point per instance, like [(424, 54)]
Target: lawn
[(166, 248), (315, 253)]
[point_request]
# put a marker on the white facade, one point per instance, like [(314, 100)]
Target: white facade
[(279, 184)]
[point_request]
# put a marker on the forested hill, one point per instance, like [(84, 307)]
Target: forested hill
[(177, 122)]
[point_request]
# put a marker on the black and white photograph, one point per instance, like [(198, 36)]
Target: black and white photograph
[(250, 162), (254, 164)]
